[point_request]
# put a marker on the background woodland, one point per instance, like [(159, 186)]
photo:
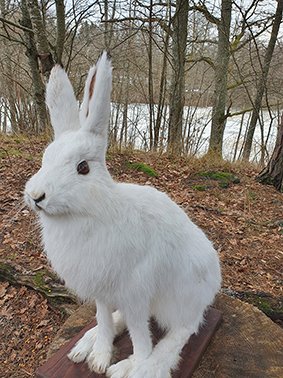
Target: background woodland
[(189, 78), (182, 70)]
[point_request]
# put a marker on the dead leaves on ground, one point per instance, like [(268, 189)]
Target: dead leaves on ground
[(27, 326), (244, 221)]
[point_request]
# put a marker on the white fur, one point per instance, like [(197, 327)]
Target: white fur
[(125, 246)]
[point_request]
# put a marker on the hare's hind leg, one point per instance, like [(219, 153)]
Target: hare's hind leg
[(164, 357), (142, 344), (97, 343)]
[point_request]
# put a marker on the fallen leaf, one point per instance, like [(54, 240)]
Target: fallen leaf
[(43, 323), (5, 311), (3, 288)]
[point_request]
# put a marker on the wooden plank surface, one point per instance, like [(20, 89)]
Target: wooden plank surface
[(59, 366)]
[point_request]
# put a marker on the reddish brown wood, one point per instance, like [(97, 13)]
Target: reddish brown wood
[(59, 366)]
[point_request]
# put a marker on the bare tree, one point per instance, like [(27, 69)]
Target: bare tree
[(262, 82), (272, 174), (177, 87), (32, 54), (221, 78), (31, 33), (162, 94)]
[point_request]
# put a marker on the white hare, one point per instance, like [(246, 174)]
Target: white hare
[(125, 246)]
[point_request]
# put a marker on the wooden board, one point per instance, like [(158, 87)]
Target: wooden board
[(59, 366)]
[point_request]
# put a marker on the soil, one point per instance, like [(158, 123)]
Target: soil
[(243, 219)]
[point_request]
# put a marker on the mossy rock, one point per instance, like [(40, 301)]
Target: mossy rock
[(224, 178), (270, 306), (200, 188), (143, 168)]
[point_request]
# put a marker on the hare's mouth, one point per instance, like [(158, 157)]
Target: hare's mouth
[(34, 204)]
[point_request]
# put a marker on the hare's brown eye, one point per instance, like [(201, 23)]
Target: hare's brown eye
[(83, 168)]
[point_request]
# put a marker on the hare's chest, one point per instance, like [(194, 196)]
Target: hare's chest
[(81, 256)]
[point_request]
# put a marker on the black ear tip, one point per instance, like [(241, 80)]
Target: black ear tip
[(109, 56)]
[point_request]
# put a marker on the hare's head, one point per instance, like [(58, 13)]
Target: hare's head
[(73, 168)]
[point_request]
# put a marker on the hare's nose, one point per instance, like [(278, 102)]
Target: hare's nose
[(39, 199)]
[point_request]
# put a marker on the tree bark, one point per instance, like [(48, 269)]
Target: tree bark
[(41, 281), (6, 56), (221, 78), (43, 48), (162, 96), (61, 30), (262, 81), (272, 174), (150, 79), (32, 54), (177, 89)]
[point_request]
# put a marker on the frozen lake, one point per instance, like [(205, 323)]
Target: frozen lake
[(197, 123)]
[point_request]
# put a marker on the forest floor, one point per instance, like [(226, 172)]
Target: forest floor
[(243, 219)]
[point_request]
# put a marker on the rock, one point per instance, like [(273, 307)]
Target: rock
[(143, 168), (76, 322), (223, 179)]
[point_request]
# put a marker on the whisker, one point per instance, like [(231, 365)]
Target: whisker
[(29, 227), (11, 220), (15, 207), (32, 232)]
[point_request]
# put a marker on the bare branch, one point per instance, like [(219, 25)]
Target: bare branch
[(4, 20)]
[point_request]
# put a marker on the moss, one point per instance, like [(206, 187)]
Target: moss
[(143, 168), (252, 195), (38, 280), (6, 266), (223, 178), (271, 306), (207, 174), (200, 188), (263, 304), (13, 152)]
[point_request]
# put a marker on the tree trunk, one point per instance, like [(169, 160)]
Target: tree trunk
[(162, 96), (10, 103), (11, 92), (61, 30), (150, 80), (41, 281), (221, 78), (43, 48), (262, 81), (273, 172), (108, 26), (32, 54), (177, 89)]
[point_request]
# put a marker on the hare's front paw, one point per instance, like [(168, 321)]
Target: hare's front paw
[(149, 368), (84, 346), (100, 358), (121, 369)]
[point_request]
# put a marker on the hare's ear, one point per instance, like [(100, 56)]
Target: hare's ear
[(95, 109), (61, 102)]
